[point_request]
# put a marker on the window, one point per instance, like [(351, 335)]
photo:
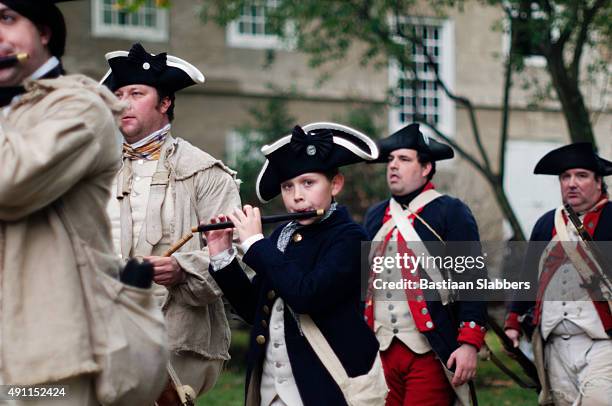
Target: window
[(421, 95), (148, 23), (251, 30)]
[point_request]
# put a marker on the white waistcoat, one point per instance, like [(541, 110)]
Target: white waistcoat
[(571, 303), (393, 318), (277, 377)]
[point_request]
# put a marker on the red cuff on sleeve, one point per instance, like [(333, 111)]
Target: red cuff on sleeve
[(471, 333), (512, 322)]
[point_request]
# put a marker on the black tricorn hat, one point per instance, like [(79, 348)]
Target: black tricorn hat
[(576, 155), (411, 137), (46, 13), (316, 147), (138, 67)]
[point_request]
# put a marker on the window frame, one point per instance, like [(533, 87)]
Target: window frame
[(158, 33), (236, 39), (446, 123)]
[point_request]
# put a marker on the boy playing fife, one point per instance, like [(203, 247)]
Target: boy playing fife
[(308, 266)]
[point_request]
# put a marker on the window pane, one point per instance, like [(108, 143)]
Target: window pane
[(421, 99), (123, 18)]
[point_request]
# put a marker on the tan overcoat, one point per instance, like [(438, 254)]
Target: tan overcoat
[(57, 142)]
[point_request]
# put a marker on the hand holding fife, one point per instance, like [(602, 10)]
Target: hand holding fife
[(247, 222), (218, 240), (166, 270)]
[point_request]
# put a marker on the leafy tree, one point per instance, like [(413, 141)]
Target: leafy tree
[(327, 30), (561, 31), (268, 123)]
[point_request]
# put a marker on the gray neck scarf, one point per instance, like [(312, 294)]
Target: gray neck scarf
[(292, 227)]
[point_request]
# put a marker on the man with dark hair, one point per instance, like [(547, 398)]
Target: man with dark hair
[(58, 154), (165, 187), (416, 331), (571, 320)]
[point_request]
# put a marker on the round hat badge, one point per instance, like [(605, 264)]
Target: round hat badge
[(146, 66), (311, 150)]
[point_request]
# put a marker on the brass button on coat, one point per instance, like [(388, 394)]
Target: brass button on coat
[(266, 309), (264, 323), (297, 237), (271, 295), (261, 340)]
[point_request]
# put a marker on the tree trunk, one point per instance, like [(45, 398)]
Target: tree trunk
[(572, 102)]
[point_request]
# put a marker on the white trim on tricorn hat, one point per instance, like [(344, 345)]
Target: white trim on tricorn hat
[(345, 143), (359, 151), (193, 73), (259, 176)]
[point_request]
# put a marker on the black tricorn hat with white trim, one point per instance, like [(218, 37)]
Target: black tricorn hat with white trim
[(138, 67), (315, 147), (576, 155), (411, 137), (45, 13)]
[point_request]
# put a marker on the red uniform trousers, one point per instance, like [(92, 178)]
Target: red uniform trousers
[(415, 379)]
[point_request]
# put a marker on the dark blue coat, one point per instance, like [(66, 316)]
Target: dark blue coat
[(319, 276), (453, 221)]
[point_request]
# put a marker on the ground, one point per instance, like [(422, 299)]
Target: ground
[(493, 387)]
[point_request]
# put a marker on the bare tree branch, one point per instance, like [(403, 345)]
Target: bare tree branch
[(486, 173), (505, 112), (459, 99), (588, 16)]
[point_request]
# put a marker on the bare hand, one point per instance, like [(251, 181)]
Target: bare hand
[(166, 270), (513, 335), (218, 240), (466, 359), (247, 222)]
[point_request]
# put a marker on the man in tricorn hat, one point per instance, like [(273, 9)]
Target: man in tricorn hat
[(571, 323), (414, 329), (166, 186), (58, 153)]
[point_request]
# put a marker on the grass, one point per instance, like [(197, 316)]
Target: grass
[(493, 387)]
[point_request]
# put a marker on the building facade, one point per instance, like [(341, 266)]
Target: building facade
[(235, 61)]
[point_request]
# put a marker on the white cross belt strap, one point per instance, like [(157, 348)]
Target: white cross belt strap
[(406, 229), (364, 390), (569, 246)]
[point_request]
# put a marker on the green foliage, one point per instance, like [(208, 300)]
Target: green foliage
[(496, 389), (131, 6), (365, 184), (328, 30), (269, 122)]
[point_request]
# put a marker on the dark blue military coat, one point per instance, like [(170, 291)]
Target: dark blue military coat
[(453, 221), (319, 276)]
